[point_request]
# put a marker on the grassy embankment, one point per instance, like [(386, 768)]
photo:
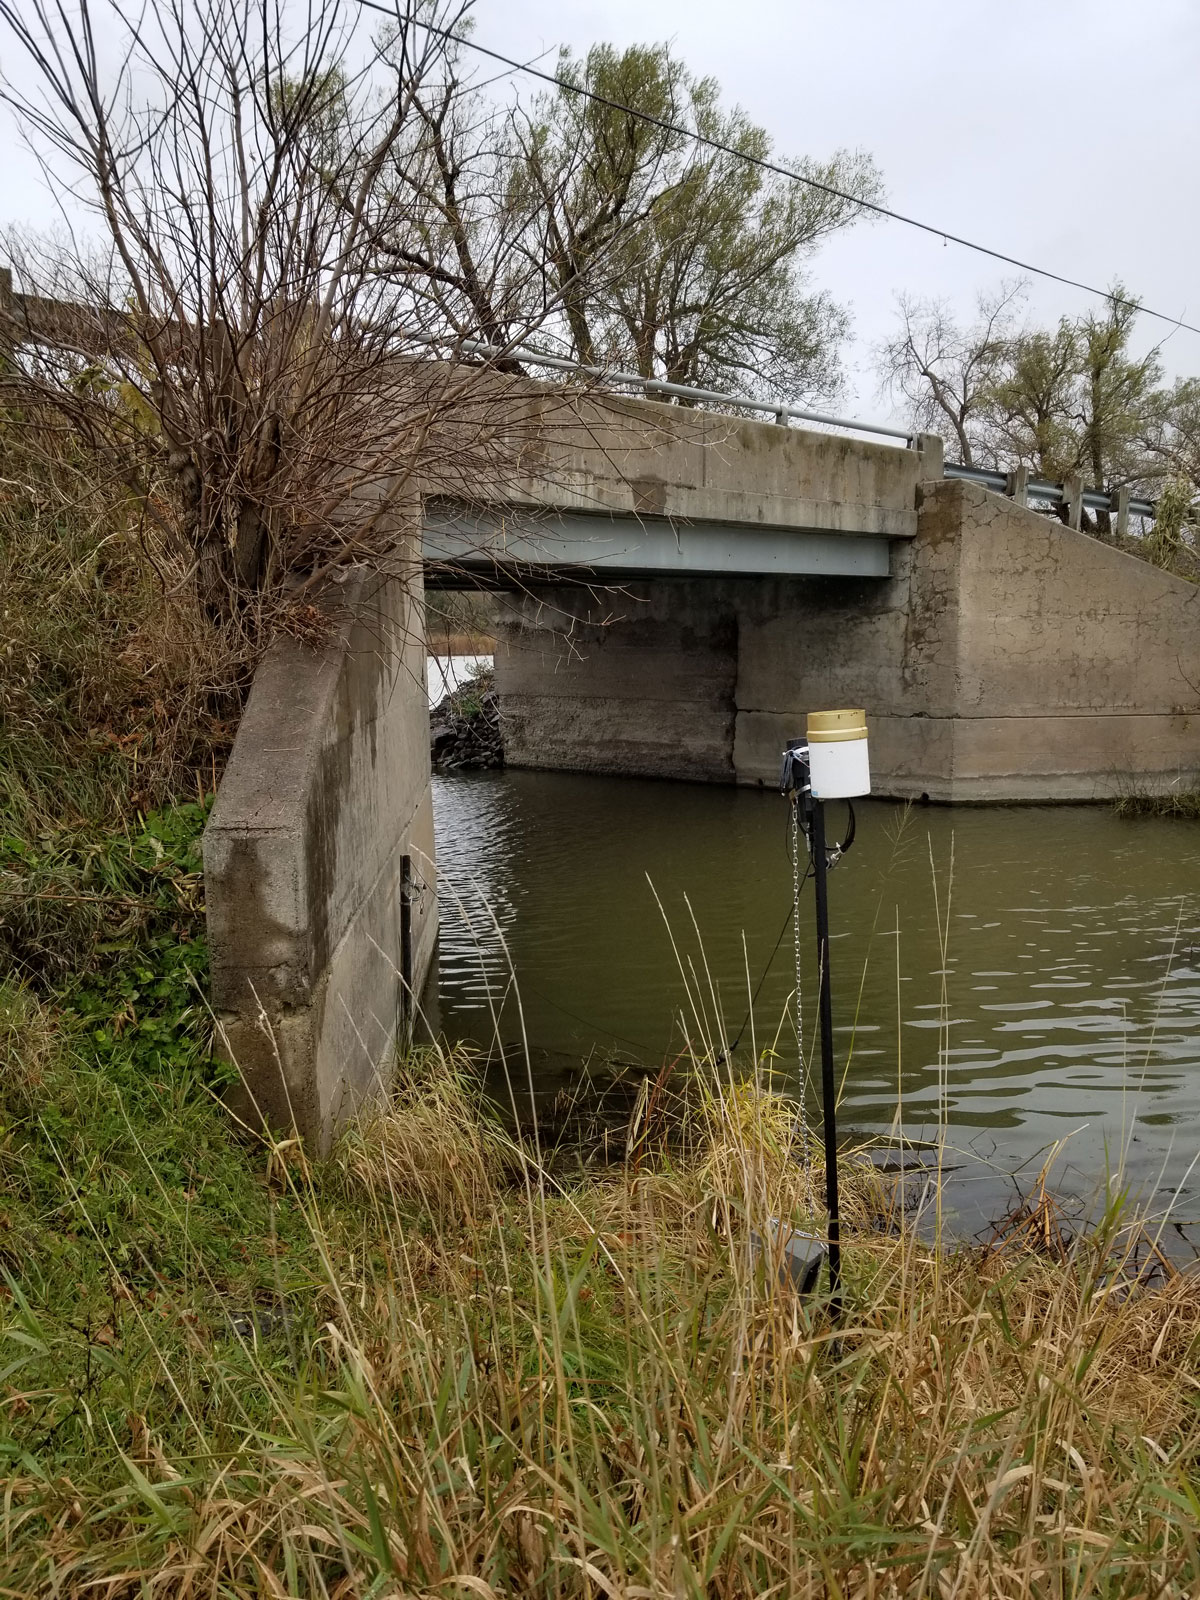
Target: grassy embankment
[(427, 1367)]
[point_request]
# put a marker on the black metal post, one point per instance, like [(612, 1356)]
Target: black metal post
[(828, 1082), (406, 946)]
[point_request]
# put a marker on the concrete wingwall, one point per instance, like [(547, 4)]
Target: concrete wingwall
[(319, 861), (1078, 665), (1006, 658)]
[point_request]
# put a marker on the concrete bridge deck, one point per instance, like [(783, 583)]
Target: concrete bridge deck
[(724, 577), (634, 488)]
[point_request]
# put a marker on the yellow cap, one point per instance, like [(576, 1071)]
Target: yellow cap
[(832, 727)]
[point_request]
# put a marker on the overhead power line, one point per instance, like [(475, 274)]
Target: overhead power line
[(779, 170)]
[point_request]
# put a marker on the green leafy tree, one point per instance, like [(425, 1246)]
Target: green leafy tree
[(608, 230), (672, 258), (1075, 400), (1117, 391), (1171, 542), (1063, 400)]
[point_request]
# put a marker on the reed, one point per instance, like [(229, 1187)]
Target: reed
[(436, 1364), (1175, 803)]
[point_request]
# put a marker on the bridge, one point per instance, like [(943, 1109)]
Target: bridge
[(626, 488), (682, 586), (718, 500), (677, 589)]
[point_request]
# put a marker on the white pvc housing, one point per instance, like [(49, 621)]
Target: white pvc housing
[(839, 770)]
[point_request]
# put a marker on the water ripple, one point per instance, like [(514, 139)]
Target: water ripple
[(1068, 985)]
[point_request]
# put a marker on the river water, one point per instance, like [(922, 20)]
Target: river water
[(1004, 977)]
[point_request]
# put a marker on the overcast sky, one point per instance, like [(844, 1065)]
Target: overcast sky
[(1064, 132)]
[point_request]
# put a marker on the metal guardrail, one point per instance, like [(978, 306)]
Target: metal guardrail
[(1034, 489), (1038, 489)]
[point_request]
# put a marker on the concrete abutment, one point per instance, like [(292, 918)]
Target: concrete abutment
[(722, 579), (1006, 658)]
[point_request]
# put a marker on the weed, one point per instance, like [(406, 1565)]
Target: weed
[(114, 692), (1174, 803), (429, 1366)]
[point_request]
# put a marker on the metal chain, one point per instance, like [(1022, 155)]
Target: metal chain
[(805, 1144)]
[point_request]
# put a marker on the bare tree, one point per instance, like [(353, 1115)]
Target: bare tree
[(454, 230), (1061, 400), (229, 339), (943, 374)]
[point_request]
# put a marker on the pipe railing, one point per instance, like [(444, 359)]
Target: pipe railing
[(676, 391), (1035, 488)]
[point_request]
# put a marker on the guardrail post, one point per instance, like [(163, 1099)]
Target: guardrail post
[(1123, 512), (1072, 499), (1018, 486), (931, 448)]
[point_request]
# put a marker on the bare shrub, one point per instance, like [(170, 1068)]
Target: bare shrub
[(233, 350)]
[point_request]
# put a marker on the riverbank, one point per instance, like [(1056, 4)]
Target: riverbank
[(459, 623), (464, 726), (447, 645), (423, 1367), (442, 1363)]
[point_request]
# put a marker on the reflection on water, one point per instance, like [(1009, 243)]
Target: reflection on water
[(1024, 973)]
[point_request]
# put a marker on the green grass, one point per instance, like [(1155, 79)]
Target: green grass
[(427, 1366), (117, 1159), (134, 1223)]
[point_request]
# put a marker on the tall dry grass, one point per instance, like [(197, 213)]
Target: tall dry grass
[(498, 1383), (115, 694)]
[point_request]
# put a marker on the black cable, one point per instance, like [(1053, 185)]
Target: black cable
[(836, 853), (781, 171), (851, 829)]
